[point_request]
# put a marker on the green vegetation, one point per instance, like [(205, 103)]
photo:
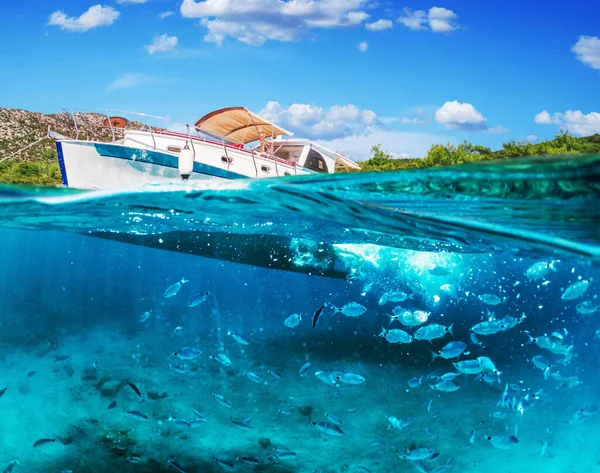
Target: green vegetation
[(448, 155), (42, 172)]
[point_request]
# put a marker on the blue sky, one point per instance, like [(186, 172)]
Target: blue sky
[(348, 73)]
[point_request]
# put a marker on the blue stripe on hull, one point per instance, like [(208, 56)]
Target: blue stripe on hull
[(61, 164), (159, 159)]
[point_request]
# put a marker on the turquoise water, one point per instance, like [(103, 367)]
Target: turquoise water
[(91, 314)]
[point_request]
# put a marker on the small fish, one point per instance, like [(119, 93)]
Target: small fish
[(173, 289), (145, 316), (238, 338), (328, 428), (198, 299), (135, 388), (576, 289), (254, 377), (225, 464), (181, 423), (444, 467), (394, 296), (249, 460), (41, 442), (475, 340), (31, 373), (488, 365), (445, 386), (328, 377), (450, 376), (243, 424), (10, 466), (134, 460), (275, 374), (415, 382), (304, 368), (181, 369), (451, 350), (221, 400), (468, 366), (286, 411), (351, 309), (196, 423), (399, 424), (396, 336), (222, 359), (418, 454), (112, 405), (491, 299), (587, 307), (137, 415), (176, 466), (432, 332), (281, 452), (351, 378), (3, 391), (539, 270), (293, 320), (316, 315), (187, 353), (178, 330), (334, 419), (198, 415), (503, 442), (489, 327)]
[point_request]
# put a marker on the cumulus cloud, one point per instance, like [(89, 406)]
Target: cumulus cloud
[(363, 46), (93, 17), (437, 19), (379, 25), (162, 43), (165, 14), (587, 50), (311, 121), (254, 22), (573, 120), (464, 116), (132, 79)]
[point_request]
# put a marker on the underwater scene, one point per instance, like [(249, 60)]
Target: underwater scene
[(442, 320)]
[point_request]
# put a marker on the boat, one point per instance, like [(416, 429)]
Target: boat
[(229, 143)]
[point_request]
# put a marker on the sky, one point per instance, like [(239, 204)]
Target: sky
[(346, 73)]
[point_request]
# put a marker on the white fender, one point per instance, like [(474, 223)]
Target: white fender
[(186, 162)]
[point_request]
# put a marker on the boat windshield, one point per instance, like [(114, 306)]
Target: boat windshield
[(288, 152)]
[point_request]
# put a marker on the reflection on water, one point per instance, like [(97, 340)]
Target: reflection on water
[(117, 357)]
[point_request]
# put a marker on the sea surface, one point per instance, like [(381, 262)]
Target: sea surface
[(443, 320)]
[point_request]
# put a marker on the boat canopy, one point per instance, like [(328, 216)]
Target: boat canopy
[(239, 124)]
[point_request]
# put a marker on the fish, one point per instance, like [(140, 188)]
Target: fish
[(222, 400), (249, 460), (221, 358), (187, 353), (181, 369), (254, 377), (198, 299), (432, 332), (145, 316), (137, 415), (10, 466), (328, 377), (181, 423), (491, 299), (304, 368), (503, 442), (112, 405), (328, 428), (394, 296), (178, 330), (351, 309), (174, 289), (539, 270), (396, 336), (418, 454), (475, 340), (468, 366), (445, 386), (316, 315), (243, 424), (225, 464), (276, 374), (333, 419), (399, 424), (135, 388), (409, 318), (176, 466), (3, 391), (587, 307), (450, 376), (576, 290), (238, 338), (542, 363), (451, 350), (42, 442), (445, 467), (558, 347), (415, 382), (134, 460), (31, 373), (198, 415), (598, 333), (293, 320), (351, 378), (489, 327), (488, 365)]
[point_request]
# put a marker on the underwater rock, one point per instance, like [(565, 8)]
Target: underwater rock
[(89, 374), (154, 396), (109, 387), (265, 442), (68, 370), (306, 411)]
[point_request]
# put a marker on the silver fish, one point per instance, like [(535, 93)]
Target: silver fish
[(187, 353), (137, 415), (503, 442), (432, 332), (293, 320), (491, 299), (352, 309), (539, 270), (181, 423), (451, 350), (145, 316), (254, 377), (487, 364), (244, 424), (329, 428), (450, 376), (221, 400), (238, 338), (394, 296), (468, 366), (489, 327), (415, 382), (418, 454), (351, 378), (333, 419), (198, 299), (328, 377), (222, 359), (445, 386), (396, 336), (174, 289), (399, 424), (304, 368), (587, 307), (576, 290)]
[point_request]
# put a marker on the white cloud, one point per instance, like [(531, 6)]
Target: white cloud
[(254, 22), (496, 129), (456, 115), (587, 50), (132, 79), (532, 138), (162, 43), (573, 120), (437, 19), (311, 121), (165, 14), (363, 46), (93, 17), (131, 1), (379, 25)]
